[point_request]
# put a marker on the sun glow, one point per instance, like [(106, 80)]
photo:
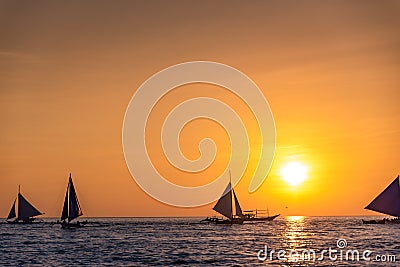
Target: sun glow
[(294, 173)]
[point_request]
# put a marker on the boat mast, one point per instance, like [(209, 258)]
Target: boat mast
[(17, 207), (232, 201), (69, 195)]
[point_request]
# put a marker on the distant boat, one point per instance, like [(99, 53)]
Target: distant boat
[(22, 210), (387, 202), (228, 206), (71, 209)]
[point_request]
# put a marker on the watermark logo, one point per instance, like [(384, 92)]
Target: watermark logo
[(340, 253), (341, 243), (137, 158)]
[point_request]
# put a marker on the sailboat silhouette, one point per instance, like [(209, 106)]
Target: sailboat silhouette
[(228, 206), (22, 210), (387, 202), (71, 208)]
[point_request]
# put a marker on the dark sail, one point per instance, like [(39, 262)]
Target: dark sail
[(64, 214), (237, 205), (388, 202), (74, 207), (71, 208), (12, 212), (224, 204), (25, 209)]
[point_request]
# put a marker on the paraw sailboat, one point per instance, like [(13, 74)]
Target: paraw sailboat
[(228, 206), (22, 210), (71, 209), (387, 202)]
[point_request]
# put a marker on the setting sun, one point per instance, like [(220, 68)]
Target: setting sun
[(294, 173)]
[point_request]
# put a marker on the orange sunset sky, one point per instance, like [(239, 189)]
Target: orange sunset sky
[(330, 71)]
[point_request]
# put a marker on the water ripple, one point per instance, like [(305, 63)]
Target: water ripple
[(179, 242)]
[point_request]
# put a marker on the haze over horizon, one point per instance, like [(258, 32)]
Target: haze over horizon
[(329, 70)]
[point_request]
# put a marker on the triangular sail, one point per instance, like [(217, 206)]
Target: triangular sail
[(71, 208), (224, 204), (388, 202), (25, 209), (237, 206), (12, 213), (74, 208), (64, 214)]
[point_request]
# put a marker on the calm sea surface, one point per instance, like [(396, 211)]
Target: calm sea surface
[(181, 242)]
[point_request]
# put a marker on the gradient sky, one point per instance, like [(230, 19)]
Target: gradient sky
[(329, 70)]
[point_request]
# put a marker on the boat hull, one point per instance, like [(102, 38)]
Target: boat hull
[(260, 219), (71, 225), (230, 222), (26, 221), (222, 221), (66, 225), (209, 220), (383, 221)]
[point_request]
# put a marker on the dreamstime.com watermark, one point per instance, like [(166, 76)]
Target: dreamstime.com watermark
[(339, 253)]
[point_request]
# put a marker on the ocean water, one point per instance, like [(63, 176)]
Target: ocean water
[(182, 242)]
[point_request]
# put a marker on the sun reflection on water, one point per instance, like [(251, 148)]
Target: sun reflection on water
[(295, 235), (295, 218)]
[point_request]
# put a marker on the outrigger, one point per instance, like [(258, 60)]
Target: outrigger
[(252, 216)]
